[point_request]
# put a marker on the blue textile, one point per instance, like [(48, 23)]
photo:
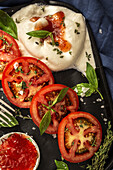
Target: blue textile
[(99, 14)]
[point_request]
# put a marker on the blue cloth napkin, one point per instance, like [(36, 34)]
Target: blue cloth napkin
[(99, 14)]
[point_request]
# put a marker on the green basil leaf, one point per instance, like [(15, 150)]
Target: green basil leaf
[(7, 24), (84, 89), (45, 122), (61, 165), (90, 92), (41, 34), (91, 75), (60, 96), (80, 88)]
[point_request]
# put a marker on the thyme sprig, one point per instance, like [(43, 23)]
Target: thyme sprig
[(99, 159), (19, 114)]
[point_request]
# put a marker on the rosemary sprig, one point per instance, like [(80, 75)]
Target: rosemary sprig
[(99, 159)]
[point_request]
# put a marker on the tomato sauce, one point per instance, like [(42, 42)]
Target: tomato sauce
[(17, 153), (56, 25)]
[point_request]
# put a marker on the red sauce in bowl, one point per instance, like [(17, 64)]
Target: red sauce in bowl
[(17, 153)]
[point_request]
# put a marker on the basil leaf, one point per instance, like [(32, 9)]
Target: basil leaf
[(7, 24), (84, 89), (41, 34), (45, 122), (60, 96), (91, 76), (61, 165)]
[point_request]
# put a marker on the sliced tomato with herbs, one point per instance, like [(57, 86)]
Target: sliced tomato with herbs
[(79, 136), (9, 50), (44, 99), (23, 77)]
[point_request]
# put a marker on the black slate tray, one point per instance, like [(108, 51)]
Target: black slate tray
[(100, 109)]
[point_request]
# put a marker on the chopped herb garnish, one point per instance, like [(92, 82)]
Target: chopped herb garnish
[(30, 99), (57, 43), (81, 126), (30, 83), (58, 51), (70, 52), (73, 143), (17, 21), (76, 31), (35, 72), (24, 85), (62, 22), (78, 24), (88, 56), (17, 96), (28, 72), (29, 38), (19, 69), (61, 56), (43, 8), (3, 39), (37, 43), (54, 49), (66, 129), (10, 45)]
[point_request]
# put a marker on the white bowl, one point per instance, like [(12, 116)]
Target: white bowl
[(27, 136)]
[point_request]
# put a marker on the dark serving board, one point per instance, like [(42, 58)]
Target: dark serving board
[(100, 109)]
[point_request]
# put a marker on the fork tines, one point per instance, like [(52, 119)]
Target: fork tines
[(6, 117)]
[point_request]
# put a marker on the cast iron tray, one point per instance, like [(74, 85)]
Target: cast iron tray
[(100, 109)]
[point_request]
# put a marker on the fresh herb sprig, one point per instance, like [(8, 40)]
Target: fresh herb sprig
[(99, 159), (41, 34), (61, 165), (19, 114), (87, 89), (46, 120), (7, 24)]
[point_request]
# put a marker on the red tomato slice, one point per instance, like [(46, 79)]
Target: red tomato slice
[(8, 50), (79, 136), (22, 78), (46, 96)]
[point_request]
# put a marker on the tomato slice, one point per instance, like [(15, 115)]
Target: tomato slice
[(8, 50), (79, 136), (22, 78), (45, 97)]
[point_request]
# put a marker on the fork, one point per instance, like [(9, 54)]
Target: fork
[(6, 117)]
